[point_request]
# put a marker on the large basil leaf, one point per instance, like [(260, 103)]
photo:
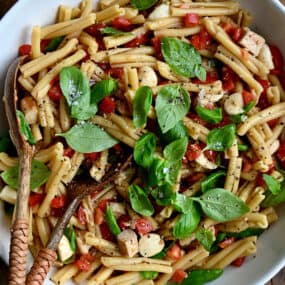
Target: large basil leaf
[(102, 89), (176, 150), (182, 58), (143, 4), (25, 128), (202, 276), (172, 104), (214, 180), (39, 175), (211, 116), (87, 137)]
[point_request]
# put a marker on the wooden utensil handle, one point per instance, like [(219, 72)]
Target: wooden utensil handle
[(18, 252), (41, 266)]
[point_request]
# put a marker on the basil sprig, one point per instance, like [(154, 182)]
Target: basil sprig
[(111, 221), (206, 238), (39, 175), (214, 180), (210, 116), (202, 276), (113, 32), (272, 184), (25, 128), (141, 105), (222, 138), (143, 4), (182, 58), (172, 104), (86, 137)]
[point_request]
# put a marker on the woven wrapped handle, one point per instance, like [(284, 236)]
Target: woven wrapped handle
[(42, 264), (18, 252)]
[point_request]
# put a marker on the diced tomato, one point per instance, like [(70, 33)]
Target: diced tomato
[(143, 226), (272, 123), (36, 199), (94, 30), (122, 23), (179, 275), (98, 216), (193, 151), (92, 156), (227, 242), (211, 77), (103, 204), (281, 151), (25, 50), (191, 20), (202, 40), (225, 121), (55, 93), (264, 83), (124, 222), (105, 232), (246, 164), (56, 212), (227, 27), (81, 215), (277, 57), (259, 180), (197, 119), (247, 97), (237, 34), (239, 261), (44, 44), (107, 105), (58, 202), (117, 147), (211, 155), (116, 72), (229, 79), (175, 252), (157, 46), (84, 262), (69, 152), (195, 177), (139, 40)]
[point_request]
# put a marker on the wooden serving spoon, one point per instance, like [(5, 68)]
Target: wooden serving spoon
[(19, 229), (76, 191)]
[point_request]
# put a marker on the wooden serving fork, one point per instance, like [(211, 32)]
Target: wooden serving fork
[(19, 230)]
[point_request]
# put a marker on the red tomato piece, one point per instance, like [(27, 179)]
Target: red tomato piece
[(105, 232), (81, 215), (273, 123), (197, 119), (264, 83), (193, 151), (92, 156), (143, 226), (36, 199), (107, 105), (202, 40), (124, 222), (259, 180), (211, 77), (69, 152), (229, 79), (44, 44), (116, 72), (211, 155), (277, 57), (239, 261), (179, 275), (227, 27), (58, 202), (246, 164), (191, 20), (55, 93), (94, 30), (25, 50), (117, 147), (227, 242), (103, 204), (140, 40), (281, 151), (122, 23), (84, 262), (156, 44), (175, 252), (247, 97), (98, 216), (237, 34)]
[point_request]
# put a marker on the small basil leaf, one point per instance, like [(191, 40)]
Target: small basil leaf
[(176, 150), (141, 105), (206, 238), (202, 276), (243, 147), (102, 89), (139, 201), (87, 137), (182, 58), (172, 104), (272, 183), (246, 233), (113, 32), (54, 44), (212, 181), (221, 205), (273, 200), (222, 138), (149, 275), (249, 106), (71, 236), (163, 194), (25, 128), (237, 119), (182, 203), (177, 132), (111, 221), (187, 223), (143, 4), (39, 175), (211, 116), (144, 150), (157, 172)]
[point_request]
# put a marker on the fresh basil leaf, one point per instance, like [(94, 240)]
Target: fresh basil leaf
[(172, 104), (273, 200), (182, 203), (212, 181), (71, 236), (243, 147), (215, 247), (86, 137), (171, 170), (177, 132), (272, 183), (221, 205), (249, 106), (206, 238), (163, 194), (211, 116), (54, 44), (143, 4), (176, 150), (187, 223), (202, 276), (102, 89), (144, 150), (139, 201), (141, 105), (75, 88), (113, 32), (222, 138), (149, 275), (39, 175), (25, 128), (182, 58), (246, 233), (111, 221), (157, 171), (237, 119)]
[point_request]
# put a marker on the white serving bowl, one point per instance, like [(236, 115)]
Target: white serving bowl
[(269, 20)]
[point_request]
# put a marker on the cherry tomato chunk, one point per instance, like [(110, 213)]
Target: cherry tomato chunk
[(36, 199), (25, 50), (193, 151), (107, 105), (239, 261), (143, 226), (122, 23), (55, 93), (58, 202), (248, 97), (84, 262), (175, 252), (191, 20), (227, 242), (81, 215), (179, 275)]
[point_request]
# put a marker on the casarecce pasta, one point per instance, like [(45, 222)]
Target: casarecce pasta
[(195, 95)]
